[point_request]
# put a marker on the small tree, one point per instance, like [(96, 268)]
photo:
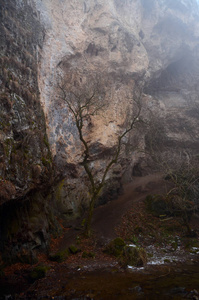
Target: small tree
[(85, 97), (179, 165)]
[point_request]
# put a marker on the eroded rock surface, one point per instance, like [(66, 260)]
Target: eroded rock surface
[(150, 45), (142, 47), (25, 162), (25, 158)]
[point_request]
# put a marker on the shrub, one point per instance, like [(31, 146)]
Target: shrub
[(157, 205)]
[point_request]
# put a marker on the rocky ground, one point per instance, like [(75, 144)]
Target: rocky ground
[(92, 274)]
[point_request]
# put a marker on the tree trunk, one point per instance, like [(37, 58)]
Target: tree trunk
[(186, 223), (90, 216)]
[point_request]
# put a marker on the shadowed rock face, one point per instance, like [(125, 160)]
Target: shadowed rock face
[(136, 44), (25, 158), (24, 152)]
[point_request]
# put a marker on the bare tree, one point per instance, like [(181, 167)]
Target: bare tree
[(85, 97), (179, 164)]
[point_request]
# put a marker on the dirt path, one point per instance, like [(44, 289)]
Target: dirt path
[(108, 216), (88, 278)]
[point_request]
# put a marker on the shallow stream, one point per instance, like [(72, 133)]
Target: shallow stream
[(165, 281), (177, 280), (154, 282)]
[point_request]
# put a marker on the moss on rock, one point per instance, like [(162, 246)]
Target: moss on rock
[(115, 247), (133, 256), (73, 249), (38, 272), (59, 256)]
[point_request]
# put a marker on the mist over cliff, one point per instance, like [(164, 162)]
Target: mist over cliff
[(153, 44)]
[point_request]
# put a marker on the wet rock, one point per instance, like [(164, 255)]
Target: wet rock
[(133, 256), (115, 247), (193, 295), (137, 289)]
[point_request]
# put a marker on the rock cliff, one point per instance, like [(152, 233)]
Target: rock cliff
[(140, 46), (25, 157)]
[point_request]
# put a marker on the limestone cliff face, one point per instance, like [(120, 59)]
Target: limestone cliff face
[(134, 40), (141, 46)]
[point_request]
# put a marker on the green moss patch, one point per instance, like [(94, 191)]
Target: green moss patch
[(115, 247), (38, 272), (133, 256), (59, 256), (73, 249)]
